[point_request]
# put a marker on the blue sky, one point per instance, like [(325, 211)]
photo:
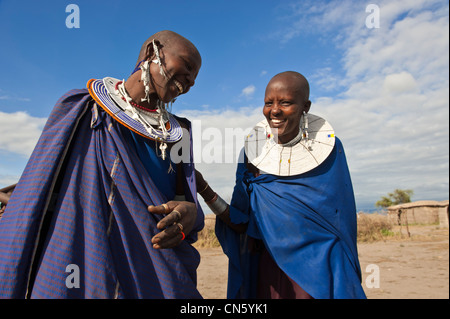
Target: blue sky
[(384, 90)]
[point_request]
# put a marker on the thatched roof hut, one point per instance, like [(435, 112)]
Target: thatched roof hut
[(421, 212)]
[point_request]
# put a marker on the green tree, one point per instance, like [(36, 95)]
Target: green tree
[(399, 196)]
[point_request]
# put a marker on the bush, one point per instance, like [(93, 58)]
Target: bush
[(373, 227), (207, 236)]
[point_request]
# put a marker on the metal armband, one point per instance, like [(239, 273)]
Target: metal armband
[(217, 205)]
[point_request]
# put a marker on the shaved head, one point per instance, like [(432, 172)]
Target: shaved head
[(286, 100), (297, 81), (165, 39), (171, 64)]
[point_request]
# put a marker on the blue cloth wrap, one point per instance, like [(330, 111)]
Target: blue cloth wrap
[(100, 220), (307, 223)]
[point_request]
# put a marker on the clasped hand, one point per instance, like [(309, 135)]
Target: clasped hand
[(179, 220)]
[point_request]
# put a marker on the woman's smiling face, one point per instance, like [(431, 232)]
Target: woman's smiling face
[(284, 103), (181, 64)]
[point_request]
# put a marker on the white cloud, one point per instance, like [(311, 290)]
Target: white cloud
[(6, 180), (248, 91), (218, 139), (19, 132), (326, 79), (398, 83), (321, 18)]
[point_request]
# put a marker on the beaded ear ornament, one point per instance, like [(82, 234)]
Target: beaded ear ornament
[(145, 75), (158, 116)]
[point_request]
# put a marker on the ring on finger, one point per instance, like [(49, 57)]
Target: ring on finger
[(180, 227), (166, 208)]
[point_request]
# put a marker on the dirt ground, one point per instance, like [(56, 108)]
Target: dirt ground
[(415, 267)]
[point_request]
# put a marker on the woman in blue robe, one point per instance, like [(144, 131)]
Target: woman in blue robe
[(290, 229), (78, 224)]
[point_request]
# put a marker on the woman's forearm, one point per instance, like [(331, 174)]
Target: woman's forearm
[(217, 205)]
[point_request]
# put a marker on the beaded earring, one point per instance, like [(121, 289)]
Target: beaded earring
[(308, 143), (145, 78), (305, 126), (158, 60), (145, 75)]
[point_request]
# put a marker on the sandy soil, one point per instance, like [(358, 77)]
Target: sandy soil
[(408, 268)]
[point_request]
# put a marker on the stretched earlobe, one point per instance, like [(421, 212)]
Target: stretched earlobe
[(150, 51), (307, 106)]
